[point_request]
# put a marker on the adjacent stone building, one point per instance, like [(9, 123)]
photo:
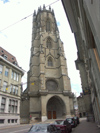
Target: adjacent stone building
[(75, 102), (48, 94), (10, 89), (81, 106), (84, 20)]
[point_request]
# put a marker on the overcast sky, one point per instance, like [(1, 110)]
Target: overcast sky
[(16, 39)]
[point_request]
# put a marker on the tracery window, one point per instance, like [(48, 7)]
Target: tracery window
[(49, 45), (51, 85), (48, 25), (50, 62)]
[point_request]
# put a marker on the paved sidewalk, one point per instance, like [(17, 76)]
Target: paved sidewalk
[(86, 127)]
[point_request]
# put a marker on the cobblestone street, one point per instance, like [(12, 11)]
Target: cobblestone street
[(86, 127)]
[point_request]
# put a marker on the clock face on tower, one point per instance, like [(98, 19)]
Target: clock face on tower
[(51, 85)]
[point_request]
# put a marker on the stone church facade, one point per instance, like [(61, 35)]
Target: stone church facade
[(48, 94)]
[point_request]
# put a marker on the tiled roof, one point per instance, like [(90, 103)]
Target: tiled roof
[(10, 57)]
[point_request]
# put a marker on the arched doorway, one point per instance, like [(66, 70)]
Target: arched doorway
[(55, 108)]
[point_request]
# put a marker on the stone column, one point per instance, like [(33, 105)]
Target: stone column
[(19, 87), (18, 107), (7, 105), (43, 108), (67, 103), (3, 75), (9, 79)]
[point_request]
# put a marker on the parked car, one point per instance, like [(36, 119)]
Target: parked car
[(77, 119), (72, 122), (64, 125), (44, 128)]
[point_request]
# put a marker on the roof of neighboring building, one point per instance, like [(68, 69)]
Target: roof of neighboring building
[(9, 56)]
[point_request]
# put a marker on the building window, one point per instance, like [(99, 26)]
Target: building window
[(12, 75), (84, 114), (6, 72), (11, 88), (13, 102), (13, 106), (15, 63), (15, 120), (49, 43), (15, 109), (8, 120), (48, 25), (3, 103), (12, 120), (16, 91), (51, 85), (4, 86), (5, 57), (12, 109), (1, 68), (0, 83), (2, 108), (9, 105), (50, 63), (9, 109), (1, 121), (3, 100), (15, 76), (9, 101)]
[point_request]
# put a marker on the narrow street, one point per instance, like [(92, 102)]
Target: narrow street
[(86, 127), (83, 127)]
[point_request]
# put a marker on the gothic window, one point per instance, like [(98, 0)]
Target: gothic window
[(48, 25), (51, 85), (50, 63), (49, 43)]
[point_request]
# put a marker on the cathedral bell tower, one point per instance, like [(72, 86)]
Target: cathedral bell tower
[(48, 92)]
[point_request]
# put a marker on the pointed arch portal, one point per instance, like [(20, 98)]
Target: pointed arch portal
[(55, 108)]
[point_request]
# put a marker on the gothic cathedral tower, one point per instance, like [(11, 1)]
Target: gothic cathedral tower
[(48, 95)]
